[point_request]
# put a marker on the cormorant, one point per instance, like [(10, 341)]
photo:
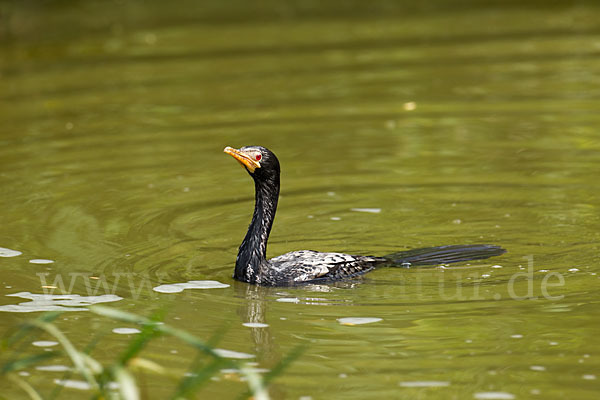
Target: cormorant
[(306, 266)]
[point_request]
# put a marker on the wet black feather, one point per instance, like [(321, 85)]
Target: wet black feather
[(306, 266)]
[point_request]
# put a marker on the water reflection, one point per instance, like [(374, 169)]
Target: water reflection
[(254, 309)]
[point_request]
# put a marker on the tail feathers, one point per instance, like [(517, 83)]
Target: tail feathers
[(445, 254)]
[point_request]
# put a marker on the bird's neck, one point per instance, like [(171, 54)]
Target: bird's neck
[(252, 261)]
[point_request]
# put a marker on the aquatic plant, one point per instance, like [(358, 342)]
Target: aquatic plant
[(117, 380)]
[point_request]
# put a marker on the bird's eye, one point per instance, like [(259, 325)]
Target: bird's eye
[(258, 157)]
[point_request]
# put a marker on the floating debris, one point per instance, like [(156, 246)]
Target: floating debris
[(237, 371), (425, 384), (44, 343), (4, 252), (537, 368), (40, 261), (573, 270), (126, 331), (517, 336), (335, 218), (82, 385), (494, 396), (180, 287), (233, 354), (53, 368), (409, 106), (589, 377), (73, 384), (358, 320), (367, 210), (255, 325), (288, 300), (51, 302)]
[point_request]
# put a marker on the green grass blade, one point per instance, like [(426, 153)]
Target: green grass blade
[(292, 356), (256, 383), (166, 329), (198, 377), (71, 351), (22, 363), (25, 328), (27, 388), (138, 343), (127, 385)]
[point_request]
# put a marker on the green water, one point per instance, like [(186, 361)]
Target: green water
[(458, 122)]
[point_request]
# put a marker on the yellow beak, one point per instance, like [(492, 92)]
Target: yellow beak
[(244, 159)]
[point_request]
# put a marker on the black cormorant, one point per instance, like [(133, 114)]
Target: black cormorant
[(306, 266)]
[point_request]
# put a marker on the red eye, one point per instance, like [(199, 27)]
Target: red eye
[(258, 157)]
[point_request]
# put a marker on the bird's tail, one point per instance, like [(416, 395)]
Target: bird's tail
[(445, 254)]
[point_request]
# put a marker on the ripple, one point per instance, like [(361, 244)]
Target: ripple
[(4, 252), (180, 287), (50, 302), (358, 320)]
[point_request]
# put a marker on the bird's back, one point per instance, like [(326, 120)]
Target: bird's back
[(308, 265)]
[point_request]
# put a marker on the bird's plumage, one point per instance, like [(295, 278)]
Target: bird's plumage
[(305, 266)]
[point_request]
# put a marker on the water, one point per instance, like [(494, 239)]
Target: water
[(459, 123)]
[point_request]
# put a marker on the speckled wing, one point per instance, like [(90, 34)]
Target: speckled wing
[(307, 265)]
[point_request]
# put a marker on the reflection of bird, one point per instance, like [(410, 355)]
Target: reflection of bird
[(310, 266)]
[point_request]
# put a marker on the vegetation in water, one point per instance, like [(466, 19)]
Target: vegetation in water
[(118, 379)]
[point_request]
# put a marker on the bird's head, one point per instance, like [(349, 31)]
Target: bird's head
[(259, 161)]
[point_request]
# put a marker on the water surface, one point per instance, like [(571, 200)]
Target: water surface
[(453, 123)]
